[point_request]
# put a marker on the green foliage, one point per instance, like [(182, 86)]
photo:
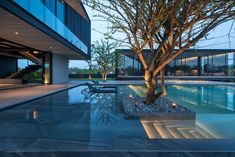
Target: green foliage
[(105, 56), (37, 75)]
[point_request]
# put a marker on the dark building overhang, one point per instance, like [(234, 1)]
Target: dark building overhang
[(33, 33)]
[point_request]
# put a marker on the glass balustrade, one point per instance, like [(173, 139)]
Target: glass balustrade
[(42, 13)]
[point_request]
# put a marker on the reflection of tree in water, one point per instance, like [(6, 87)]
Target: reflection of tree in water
[(103, 105)]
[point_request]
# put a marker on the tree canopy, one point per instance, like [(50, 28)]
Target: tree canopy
[(166, 27), (105, 56)]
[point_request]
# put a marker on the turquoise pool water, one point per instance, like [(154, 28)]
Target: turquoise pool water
[(214, 99), (214, 106), (78, 120)]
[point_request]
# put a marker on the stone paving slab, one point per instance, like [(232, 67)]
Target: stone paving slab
[(16, 96)]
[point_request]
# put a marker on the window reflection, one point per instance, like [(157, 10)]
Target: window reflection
[(170, 68), (60, 8), (178, 71), (129, 67), (219, 65), (206, 65), (230, 64)]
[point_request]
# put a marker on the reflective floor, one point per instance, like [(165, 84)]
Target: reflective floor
[(79, 121)]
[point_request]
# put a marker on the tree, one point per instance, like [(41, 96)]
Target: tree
[(166, 27), (105, 56), (90, 68)]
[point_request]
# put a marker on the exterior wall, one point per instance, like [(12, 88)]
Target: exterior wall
[(78, 25), (8, 65), (60, 70)]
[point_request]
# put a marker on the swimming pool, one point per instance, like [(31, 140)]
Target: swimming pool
[(214, 106), (77, 120)]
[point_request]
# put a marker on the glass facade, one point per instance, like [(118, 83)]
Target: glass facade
[(60, 10), (230, 64), (50, 4), (210, 65), (52, 14), (129, 67)]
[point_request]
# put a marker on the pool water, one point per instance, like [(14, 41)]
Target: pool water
[(214, 106), (76, 119)]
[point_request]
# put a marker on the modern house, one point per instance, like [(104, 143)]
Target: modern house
[(39, 37), (200, 64)]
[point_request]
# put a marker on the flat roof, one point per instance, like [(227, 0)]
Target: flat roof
[(188, 53)]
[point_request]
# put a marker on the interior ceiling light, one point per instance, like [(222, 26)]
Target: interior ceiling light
[(16, 33)]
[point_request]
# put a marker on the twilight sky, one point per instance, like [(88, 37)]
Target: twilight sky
[(219, 38)]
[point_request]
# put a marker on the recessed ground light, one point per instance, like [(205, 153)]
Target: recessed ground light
[(16, 33), (174, 105)]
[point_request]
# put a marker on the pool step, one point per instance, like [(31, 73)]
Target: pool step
[(151, 131), (175, 133), (174, 130)]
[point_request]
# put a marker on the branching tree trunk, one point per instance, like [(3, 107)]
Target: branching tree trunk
[(170, 26)]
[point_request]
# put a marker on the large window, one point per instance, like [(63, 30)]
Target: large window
[(191, 66), (230, 64), (211, 65), (219, 66), (178, 70), (129, 67), (170, 68), (206, 66)]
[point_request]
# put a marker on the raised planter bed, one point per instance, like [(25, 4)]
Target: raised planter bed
[(163, 108)]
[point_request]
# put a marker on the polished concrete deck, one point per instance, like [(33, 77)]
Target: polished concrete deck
[(15, 96), (13, 86)]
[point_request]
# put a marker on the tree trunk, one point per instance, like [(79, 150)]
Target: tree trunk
[(102, 75), (151, 84), (163, 86), (105, 76)]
